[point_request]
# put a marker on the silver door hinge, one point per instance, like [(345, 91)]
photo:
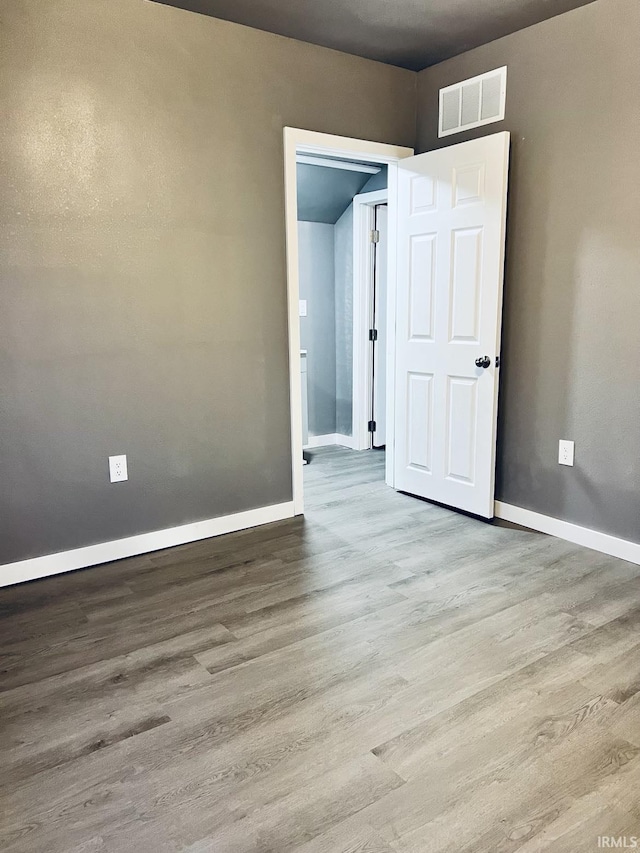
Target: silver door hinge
[(375, 236)]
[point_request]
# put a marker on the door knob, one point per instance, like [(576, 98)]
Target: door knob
[(485, 361)]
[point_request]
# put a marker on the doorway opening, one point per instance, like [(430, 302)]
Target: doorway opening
[(337, 194), (342, 207), (445, 271)]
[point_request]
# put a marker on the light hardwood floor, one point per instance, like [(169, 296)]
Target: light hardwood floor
[(386, 675)]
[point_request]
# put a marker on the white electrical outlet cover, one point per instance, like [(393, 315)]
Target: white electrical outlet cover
[(303, 307), (566, 452), (118, 469)]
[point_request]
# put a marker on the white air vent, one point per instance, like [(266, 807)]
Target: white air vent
[(479, 100)]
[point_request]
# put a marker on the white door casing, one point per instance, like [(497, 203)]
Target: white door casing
[(379, 365), (298, 141), (451, 218)]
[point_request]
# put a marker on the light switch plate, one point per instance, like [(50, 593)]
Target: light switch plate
[(565, 452), (303, 307), (118, 469)]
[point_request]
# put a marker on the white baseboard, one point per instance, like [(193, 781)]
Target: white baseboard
[(344, 440), (329, 439), (106, 552), (622, 548)]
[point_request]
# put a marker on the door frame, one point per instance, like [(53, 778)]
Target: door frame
[(298, 141), (364, 214)]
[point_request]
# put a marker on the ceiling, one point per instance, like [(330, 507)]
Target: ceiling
[(409, 33), (324, 194)]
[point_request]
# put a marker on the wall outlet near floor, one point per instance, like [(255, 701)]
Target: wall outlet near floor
[(118, 469), (565, 452)]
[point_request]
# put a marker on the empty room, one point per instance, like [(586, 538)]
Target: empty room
[(319, 477)]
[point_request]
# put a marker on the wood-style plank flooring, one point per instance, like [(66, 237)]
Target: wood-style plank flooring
[(386, 675)]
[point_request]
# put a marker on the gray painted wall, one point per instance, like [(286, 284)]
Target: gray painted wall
[(343, 238), (571, 366), (318, 328), (326, 282), (142, 260)]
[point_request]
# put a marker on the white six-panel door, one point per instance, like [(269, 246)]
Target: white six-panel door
[(450, 263)]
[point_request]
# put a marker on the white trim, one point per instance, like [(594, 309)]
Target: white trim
[(344, 440), (392, 270), (330, 439), (106, 552), (622, 548), (293, 302), (363, 223), (343, 165), (374, 197), (296, 142)]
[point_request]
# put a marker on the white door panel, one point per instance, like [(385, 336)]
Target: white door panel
[(450, 250)]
